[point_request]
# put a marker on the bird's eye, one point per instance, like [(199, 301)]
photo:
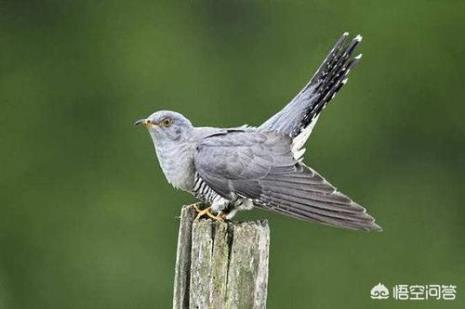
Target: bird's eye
[(167, 122)]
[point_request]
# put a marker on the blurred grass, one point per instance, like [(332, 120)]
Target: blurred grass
[(86, 217)]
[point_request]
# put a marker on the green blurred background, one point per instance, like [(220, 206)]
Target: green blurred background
[(87, 219)]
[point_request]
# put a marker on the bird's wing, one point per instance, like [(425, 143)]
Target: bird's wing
[(298, 118), (260, 166)]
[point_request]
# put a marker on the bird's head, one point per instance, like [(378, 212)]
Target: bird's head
[(167, 125)]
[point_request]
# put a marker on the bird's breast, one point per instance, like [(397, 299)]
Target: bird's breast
[(177, 163)]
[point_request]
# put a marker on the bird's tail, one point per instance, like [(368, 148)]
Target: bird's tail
[(308, 196), (300, 115)]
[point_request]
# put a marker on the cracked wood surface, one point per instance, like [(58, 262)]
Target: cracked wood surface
[(221, 265)]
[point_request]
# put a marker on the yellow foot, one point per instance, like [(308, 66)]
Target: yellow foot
[(207, 212), (196, 207)]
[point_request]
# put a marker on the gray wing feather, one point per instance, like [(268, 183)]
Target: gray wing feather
[(260, 166), (227, 161)]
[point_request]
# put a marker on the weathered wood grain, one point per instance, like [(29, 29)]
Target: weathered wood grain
[(221, 265)]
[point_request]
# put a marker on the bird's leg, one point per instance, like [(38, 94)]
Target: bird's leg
[(221, 217), (204, 212), (207, 212), (196, 207)]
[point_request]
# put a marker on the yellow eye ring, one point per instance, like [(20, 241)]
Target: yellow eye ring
[(167, 122)]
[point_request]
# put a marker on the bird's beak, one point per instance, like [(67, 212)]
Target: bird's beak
[(141, 121), (146, 122)]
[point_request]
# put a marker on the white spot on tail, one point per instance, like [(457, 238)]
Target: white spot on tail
[(300, 140)]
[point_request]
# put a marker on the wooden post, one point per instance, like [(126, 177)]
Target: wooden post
[(221, 265)]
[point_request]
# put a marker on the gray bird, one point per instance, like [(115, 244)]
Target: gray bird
[(246, 167)]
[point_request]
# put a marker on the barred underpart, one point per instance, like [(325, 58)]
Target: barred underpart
[(203, 192)]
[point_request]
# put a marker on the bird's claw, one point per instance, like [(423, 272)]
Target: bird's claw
[(207, 212), (195, 206)]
